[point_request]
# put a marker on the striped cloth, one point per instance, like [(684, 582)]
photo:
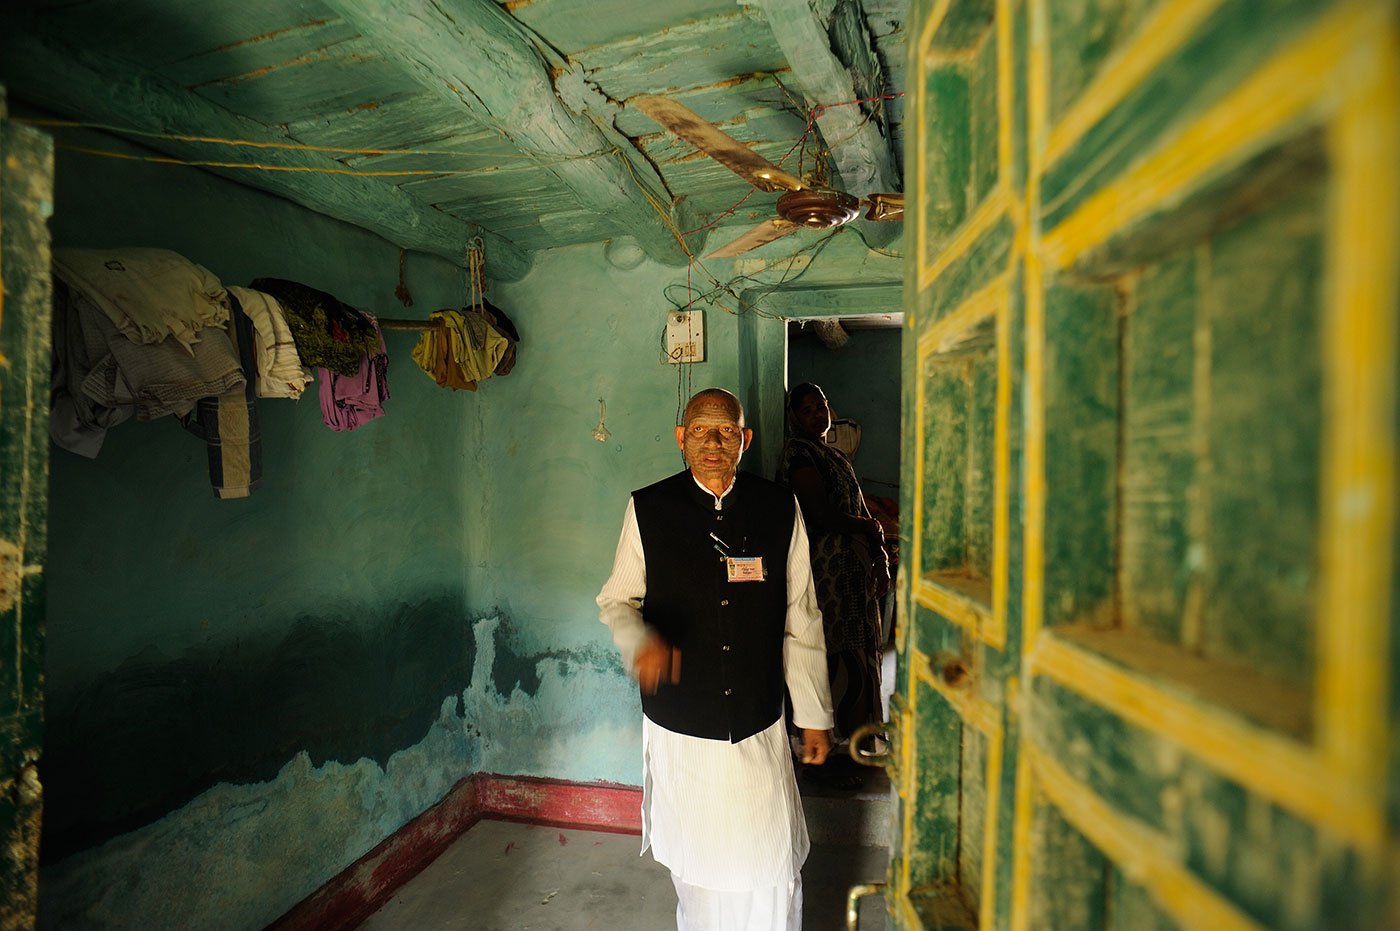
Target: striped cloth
[(228, 423), (280, 372)]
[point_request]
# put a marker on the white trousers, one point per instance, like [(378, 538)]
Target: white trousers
[(777, 908)]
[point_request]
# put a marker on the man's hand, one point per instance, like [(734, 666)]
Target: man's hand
[(816, 744), (656, 662)]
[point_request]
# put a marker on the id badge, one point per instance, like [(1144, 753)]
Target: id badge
[(746, 569)]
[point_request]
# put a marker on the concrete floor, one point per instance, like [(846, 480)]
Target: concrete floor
[(502, 876)]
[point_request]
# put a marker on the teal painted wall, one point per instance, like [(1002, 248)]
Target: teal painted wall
[(550, 497), (548, 502), (861, 380), (245, 696), (271, 686)]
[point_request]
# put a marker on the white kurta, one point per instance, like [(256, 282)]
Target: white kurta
[(723, 815)]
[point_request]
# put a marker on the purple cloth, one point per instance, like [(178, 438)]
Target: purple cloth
[(351, 401)]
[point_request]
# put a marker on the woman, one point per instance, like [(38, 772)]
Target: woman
[(849, 565)]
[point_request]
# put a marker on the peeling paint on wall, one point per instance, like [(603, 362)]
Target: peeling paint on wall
[(162, 729), (581, 720), (238, 856)]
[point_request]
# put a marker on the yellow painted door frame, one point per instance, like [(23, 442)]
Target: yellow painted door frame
[(1146, 673)]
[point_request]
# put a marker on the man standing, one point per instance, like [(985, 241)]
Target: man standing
[(710, 602)]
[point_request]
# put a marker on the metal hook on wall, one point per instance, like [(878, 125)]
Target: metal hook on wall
[(600, 432)]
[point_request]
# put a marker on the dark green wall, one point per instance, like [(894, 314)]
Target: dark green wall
[(861, 380), (26, 196), (276, 684), (197, 647)]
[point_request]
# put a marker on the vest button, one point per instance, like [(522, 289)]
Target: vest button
[(728, 692)]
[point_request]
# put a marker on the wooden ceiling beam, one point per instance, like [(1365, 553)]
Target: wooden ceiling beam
[(479, 56), (86, 86), (859, 148)]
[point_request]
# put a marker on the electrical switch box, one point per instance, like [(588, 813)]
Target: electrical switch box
[(685, 336)]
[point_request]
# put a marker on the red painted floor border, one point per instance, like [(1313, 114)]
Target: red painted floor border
[(589, 806), (358, 891)]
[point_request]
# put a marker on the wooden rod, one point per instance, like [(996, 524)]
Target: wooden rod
[(386, 323)]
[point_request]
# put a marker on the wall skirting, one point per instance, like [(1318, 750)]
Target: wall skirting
[(359, 890)]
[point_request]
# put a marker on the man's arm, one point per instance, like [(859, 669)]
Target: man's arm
[(804, 650), (644, 653)]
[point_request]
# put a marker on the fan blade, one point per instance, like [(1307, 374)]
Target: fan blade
[(765, 232), (716, 143), (885, 207)]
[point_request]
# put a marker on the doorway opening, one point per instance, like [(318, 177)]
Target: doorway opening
[(855, 360)]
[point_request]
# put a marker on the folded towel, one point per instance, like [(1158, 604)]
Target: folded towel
[(280, 372)]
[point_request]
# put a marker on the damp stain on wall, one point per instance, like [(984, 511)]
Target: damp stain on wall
[(239, 856), (162, 729), (564, 713), (270, 770)]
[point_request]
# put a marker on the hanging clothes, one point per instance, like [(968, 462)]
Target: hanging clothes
[(280, 370), (328, 333), (147, 294), (463, 350), (77, 423), (228, 423), (165, 377), (506, 327), (349, 402), (101, 378)]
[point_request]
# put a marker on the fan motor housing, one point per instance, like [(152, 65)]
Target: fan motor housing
[(818, 209)]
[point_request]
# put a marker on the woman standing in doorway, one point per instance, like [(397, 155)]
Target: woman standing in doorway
[(849, 566)]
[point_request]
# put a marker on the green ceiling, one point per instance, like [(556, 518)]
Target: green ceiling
[(521, 106)]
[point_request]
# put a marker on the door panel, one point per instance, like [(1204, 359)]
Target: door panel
[(26, 197), (1150, 404)]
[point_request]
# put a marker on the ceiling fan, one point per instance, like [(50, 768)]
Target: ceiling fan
[(803, 206)]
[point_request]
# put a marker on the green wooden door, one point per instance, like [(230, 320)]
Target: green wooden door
[(26, 196), (1148, 675)]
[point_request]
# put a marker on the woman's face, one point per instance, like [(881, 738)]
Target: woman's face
[(812, 414)]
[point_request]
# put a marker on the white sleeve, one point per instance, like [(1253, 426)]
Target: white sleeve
[(620, 601), (804, 647)]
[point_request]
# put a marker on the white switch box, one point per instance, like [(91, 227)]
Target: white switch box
[(685, 336)]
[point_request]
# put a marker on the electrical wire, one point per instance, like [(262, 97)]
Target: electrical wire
[(256, 166), (861, 233), (299, 146)]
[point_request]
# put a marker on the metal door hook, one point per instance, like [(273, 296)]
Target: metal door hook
[(853, 897), (865, 757)]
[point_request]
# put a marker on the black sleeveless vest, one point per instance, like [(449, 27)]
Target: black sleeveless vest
[(730, 634)]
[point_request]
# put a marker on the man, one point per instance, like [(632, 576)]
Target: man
[(710, 602)]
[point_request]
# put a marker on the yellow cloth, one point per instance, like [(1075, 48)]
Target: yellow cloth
[(461, 352)]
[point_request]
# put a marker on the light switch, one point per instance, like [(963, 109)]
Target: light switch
[(685, 336)]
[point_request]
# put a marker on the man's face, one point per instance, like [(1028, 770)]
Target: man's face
[(713, 439)]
